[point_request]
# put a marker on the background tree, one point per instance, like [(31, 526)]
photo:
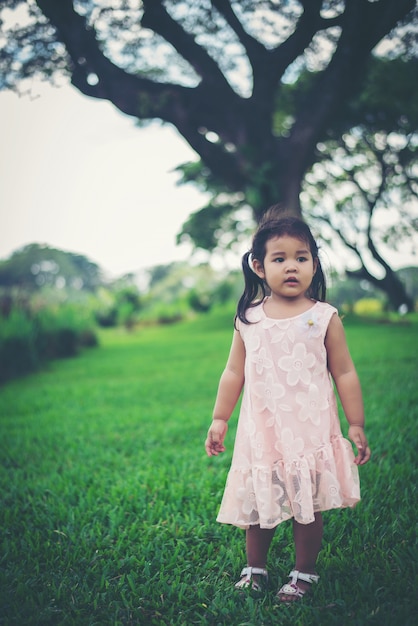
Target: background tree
[(35, 266), (364, 185), (362, 191), (215, 70)]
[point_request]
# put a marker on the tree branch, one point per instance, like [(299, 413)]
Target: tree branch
[(270, 65), (371, 202), (362, 272), (366, 23), (254, 49), (308, 24), (159, 20), (223, 165), (186, 108)]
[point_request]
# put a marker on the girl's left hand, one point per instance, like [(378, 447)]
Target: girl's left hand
[(214, 443), (357, 436)]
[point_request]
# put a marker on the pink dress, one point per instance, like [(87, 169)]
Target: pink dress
[(290, 458)]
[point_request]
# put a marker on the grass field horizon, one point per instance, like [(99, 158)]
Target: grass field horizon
[(108, 501)]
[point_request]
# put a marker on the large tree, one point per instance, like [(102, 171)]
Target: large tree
[(213, 69), (363, 186)]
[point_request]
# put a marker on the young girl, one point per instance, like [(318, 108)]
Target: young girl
[(290, 459)]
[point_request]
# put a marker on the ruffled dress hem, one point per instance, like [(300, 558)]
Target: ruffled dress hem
[(298, 487)]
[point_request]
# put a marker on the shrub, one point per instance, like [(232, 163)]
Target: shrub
[(107, 318), (18, 353), (29, 339), (87, 338), (199, 301), (368, 306)]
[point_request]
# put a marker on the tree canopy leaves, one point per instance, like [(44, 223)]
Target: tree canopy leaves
[(216, 70)]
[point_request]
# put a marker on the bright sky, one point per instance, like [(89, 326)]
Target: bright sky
[(80, 176)]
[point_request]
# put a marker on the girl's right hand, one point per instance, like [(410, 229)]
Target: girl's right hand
[(215, 438), (357, 436)]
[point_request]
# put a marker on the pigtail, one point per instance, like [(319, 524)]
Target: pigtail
[(318, 288), (254, 289)]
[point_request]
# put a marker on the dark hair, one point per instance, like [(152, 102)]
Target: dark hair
[(255, 288)]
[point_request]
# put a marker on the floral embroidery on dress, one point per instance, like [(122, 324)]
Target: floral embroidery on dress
[(259, 445), (253, 343), (279, 329), (292, 446), (311, 403), (250, 427), (271, 501), (247, 495), (297, 365), (267, 392), (261, 361), (309, 324)]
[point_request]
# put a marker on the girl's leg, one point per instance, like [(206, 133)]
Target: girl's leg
[(258, 542), (308, 539)]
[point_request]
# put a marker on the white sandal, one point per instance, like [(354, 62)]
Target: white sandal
[(292, 589), (247, 581)]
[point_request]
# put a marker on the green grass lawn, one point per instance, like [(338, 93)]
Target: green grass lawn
[(108, 501)]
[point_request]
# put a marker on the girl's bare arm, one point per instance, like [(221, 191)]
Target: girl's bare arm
[(229, 390), (346, 380)]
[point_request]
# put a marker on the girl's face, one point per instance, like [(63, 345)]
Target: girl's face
[(288, 267)]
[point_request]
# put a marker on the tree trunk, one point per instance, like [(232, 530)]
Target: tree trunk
[(390, 285)]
